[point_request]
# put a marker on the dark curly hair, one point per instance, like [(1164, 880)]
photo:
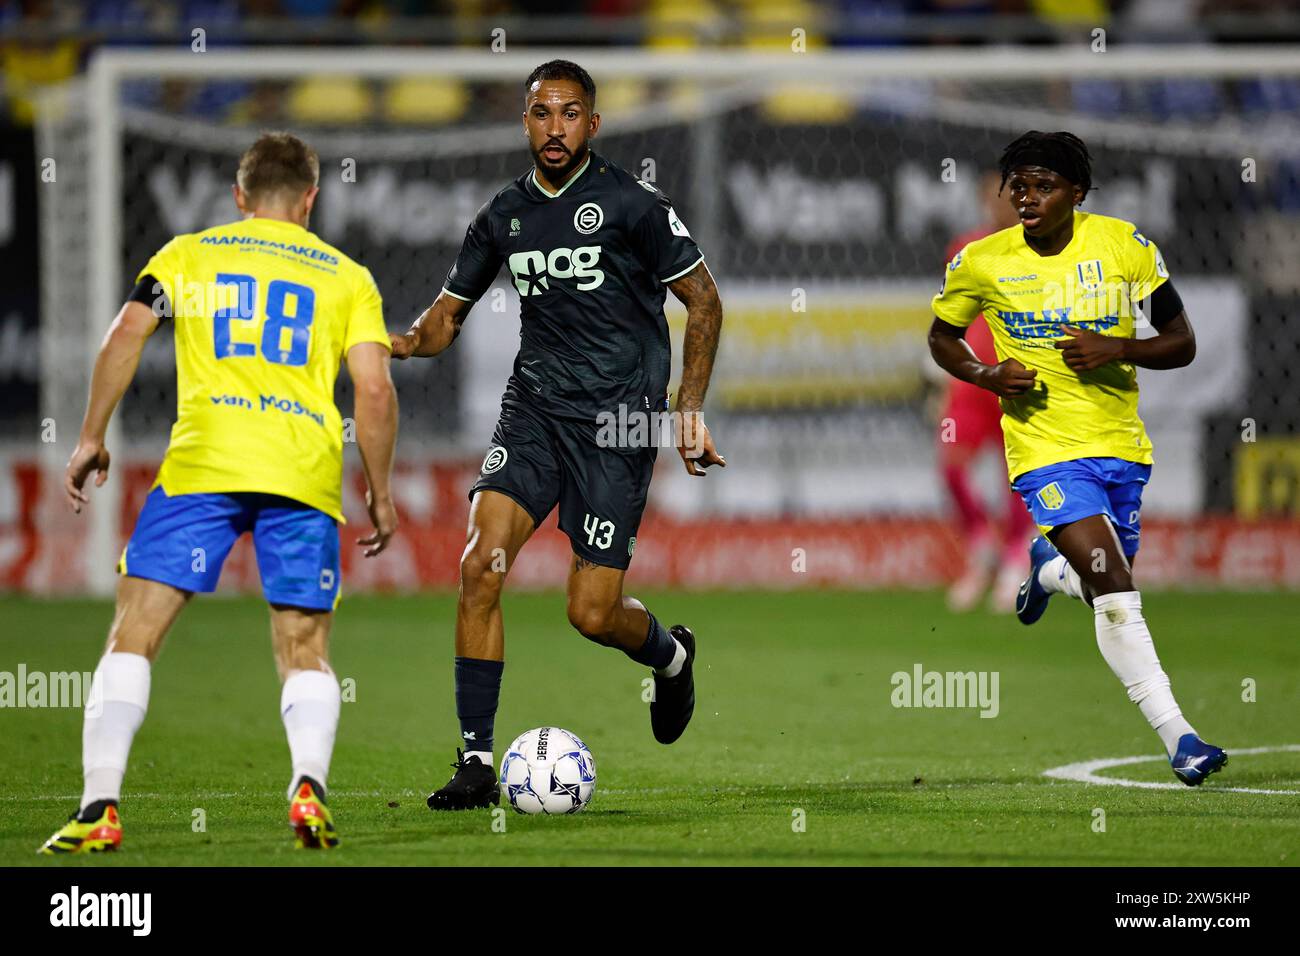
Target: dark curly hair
[(1061, 152)]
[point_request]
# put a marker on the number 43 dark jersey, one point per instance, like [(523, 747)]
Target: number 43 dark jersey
[(589, 263)]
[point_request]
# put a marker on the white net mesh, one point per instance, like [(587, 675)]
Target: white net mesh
[(825, 213)]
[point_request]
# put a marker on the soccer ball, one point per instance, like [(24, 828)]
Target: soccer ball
[(548, 770)]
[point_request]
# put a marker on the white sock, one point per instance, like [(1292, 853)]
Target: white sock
[(1125, 642), (115, 708), (485, 756), (309, 706), (1057, 577), (1172, 730), (675, 665)]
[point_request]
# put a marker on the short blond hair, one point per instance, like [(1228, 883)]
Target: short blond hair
[(278, 163)]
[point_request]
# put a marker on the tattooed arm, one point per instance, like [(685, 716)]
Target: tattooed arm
[(699, 294), (435, 329)]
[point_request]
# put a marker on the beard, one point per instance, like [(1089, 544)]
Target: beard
[(556, 175)]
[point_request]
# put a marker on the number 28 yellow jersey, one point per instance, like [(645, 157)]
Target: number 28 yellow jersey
[(1095, 283), (264, 313)]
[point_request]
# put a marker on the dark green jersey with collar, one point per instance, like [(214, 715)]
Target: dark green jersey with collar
[(589, 264)]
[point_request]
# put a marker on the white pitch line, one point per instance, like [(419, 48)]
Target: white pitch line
[(1086, 772), (1082, 772)]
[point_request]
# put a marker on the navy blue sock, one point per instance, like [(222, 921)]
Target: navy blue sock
[(658, 649), (478, 687)]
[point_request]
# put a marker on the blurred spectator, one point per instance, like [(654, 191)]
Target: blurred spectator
[(330, 100), (262, 107), (425, 100), (44, 42), (1067, 12), (29, 64), (679, 24)]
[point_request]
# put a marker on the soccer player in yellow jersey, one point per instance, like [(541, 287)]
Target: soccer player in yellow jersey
[(1061, 293), (263, 313)]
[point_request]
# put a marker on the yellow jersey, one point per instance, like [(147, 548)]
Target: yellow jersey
[(1095, 283), (264, 312)]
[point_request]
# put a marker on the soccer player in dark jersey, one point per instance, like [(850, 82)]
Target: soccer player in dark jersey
[(591, 250)]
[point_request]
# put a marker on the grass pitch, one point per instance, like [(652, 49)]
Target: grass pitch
[(796, 754)]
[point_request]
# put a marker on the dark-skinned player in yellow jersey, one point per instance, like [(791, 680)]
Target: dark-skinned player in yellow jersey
[(1061, 292), (591, 250)]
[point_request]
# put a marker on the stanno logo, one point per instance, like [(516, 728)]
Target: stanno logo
[(514, 227), (588, 218), (534, 269), (75, 908)]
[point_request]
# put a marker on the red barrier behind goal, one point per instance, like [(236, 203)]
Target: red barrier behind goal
[(43, 547)]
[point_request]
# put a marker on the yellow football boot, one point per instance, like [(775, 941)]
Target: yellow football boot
[(98, 836), (311, 820)]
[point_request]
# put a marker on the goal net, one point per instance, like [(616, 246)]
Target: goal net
[(825, 190)]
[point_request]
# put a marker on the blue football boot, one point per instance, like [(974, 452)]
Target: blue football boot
[(1196, 760), (1031, 600)]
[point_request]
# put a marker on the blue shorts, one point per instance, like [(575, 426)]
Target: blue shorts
[(1059, 494), (183, 540)]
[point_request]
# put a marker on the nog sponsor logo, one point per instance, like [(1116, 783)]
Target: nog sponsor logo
[(533, 270)]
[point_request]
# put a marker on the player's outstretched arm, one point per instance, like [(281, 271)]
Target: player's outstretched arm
[(950, 351), (699, 293), (435, 329), (375, 410), (115, 366)]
